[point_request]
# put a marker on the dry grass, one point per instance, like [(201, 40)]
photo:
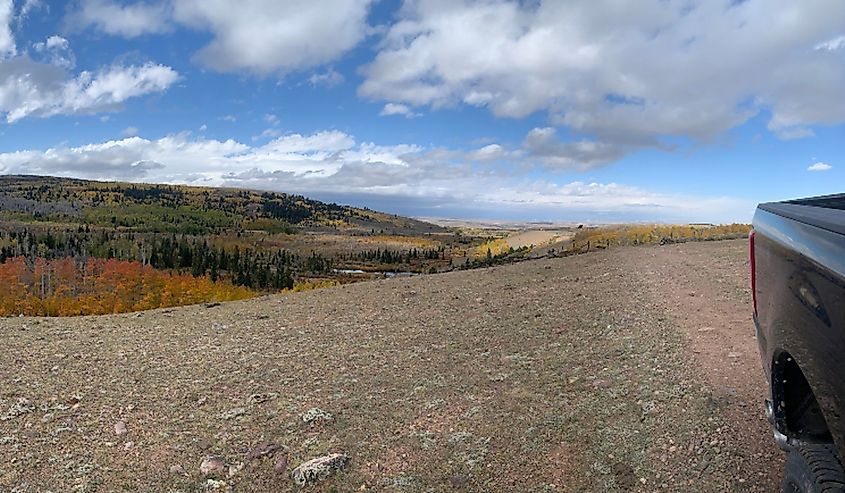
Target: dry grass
[(546, 376)]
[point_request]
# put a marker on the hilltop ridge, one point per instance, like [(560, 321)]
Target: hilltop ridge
[(184, 209)]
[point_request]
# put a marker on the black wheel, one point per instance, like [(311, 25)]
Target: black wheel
[(814, 469)]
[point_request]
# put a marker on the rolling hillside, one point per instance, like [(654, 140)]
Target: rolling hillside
[(184, 209)]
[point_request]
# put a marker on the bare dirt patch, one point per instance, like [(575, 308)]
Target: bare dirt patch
[(537, 238), (554, 375), (705, 291)]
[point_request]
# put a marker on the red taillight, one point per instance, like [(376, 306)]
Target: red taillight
[(753, 269)]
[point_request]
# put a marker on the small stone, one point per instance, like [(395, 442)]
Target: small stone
[(281, 465), (214, 484), (128, 445), (233, 413), (178, 470), (120, 428), (316, 470), (265, 448), (203, 444), (212, 465), (317, 416), (234, 469), (20, 407)]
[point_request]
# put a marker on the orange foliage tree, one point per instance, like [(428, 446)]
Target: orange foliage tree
[(65, 287)]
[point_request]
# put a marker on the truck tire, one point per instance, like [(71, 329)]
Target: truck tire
[(814, 469)]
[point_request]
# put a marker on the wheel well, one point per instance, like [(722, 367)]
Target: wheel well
[(797, 412)]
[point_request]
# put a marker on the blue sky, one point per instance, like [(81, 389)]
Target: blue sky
[(565, 111)]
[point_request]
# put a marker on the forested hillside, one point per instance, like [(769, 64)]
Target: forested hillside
[(165, 245), (181, 209)]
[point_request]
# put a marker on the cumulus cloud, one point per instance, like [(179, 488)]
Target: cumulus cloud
[(624, 73), (398, 109), (33, 89), (819, 167), (7, 40), (268, 36), (335, 166), (260, 36), (45, 87), (129, 21), (543, 145), (56, 51), (129, 131)]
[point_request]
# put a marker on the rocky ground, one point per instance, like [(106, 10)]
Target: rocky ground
[(626, 370)]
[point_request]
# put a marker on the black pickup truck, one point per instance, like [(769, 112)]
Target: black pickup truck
[(797, 254)]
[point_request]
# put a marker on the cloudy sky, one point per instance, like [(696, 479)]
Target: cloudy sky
[(691, 110)]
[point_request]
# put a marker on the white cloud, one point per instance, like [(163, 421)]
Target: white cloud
[(271, 37), (260, 36), (7, 40), (543, 145), (832, 44), (57, 51), (129, 132), (33, 89), (118, 19), (819, 167), (398, 109), (623, 73), (267, 133), (794, 133), (332, 164), (329, 78), (271, 119), (30, 6)]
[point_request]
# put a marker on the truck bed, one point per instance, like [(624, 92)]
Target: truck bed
[(826, 212)]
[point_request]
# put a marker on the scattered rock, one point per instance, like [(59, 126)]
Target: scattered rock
[(212, 304), (214, 484), (316, 470), (234, 469), (128, 445), (281, 465), (20, 407), (120, 428), (233, 413), (212, 465), (317, 416), (264, 448), (178, 470), (261, 398)]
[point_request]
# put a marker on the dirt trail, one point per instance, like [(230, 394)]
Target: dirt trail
[(704, 289), (586, 374)]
